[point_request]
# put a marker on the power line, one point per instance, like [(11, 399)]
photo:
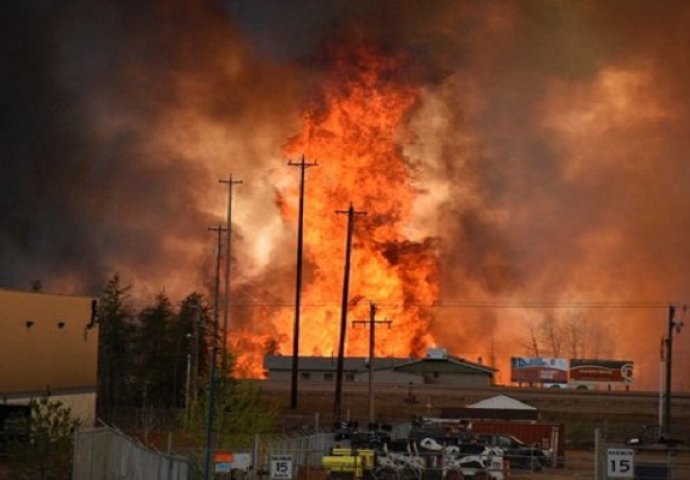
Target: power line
[(651, 305), (467, 305)]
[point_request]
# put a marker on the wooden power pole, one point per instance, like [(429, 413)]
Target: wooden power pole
[(303, 165), (337, 406), (214, 352), (216, 286), (372, 344), (672, 325), (228, 263)]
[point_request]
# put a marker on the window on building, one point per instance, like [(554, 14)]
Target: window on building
[(435, 374), (350, 377), (304, 375), (328, 376)]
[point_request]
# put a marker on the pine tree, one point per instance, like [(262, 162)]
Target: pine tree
[(190, 338), (116, 333), (155, 354)]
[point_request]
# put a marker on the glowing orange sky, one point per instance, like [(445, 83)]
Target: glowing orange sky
[(507, 154)]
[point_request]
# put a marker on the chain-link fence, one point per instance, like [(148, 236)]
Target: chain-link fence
[(324, 455), (105, 453), (649, 462), (609, 460), (299, 457)]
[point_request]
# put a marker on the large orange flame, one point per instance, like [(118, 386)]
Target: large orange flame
[(354, 132)]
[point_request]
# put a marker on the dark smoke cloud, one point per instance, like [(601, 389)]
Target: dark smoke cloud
[(88, 91), (102, 168)]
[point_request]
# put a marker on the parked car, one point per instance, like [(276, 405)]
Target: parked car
[(650, 438)]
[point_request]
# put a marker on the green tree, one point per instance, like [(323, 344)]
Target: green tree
[(155, 352), (46, 452), (239, 409), (189, 335), (116, 334)]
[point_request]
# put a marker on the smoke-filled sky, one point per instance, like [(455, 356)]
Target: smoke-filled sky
[(548, 146)]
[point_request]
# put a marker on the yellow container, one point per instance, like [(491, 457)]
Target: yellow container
[(341, 451), (343, 464)]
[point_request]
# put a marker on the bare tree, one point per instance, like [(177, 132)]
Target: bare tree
[(575, 332), (585, 337), (572, 335), (551, 332), (532, 342)]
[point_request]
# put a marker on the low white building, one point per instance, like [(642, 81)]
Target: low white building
[(436, 368)]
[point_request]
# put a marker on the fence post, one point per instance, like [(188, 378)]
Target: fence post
[(255, 454), (597, 454), (74, 452)]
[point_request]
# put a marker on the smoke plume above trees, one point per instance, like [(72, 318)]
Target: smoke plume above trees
[(548, 147)]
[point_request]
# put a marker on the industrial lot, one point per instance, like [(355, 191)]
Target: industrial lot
[(439, 396)]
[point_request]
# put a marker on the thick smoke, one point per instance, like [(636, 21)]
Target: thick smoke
[(550, 153), (120, 119)]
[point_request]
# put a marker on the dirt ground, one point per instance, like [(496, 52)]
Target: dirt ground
[(580, 412), (618, 415), (578, 465)]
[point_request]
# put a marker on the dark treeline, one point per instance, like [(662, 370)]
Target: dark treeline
[(153, 367), (147, 357)]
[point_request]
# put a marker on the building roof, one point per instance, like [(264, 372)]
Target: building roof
[(32, 292), (449, 365), (360, 364), (502, 402), (500, 407), (327, 364)]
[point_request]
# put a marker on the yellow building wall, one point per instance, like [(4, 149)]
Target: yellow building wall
[(44, 355)]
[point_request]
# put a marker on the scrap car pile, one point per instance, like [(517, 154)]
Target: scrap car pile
[(434, 450)]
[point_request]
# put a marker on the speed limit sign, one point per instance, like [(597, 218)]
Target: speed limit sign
[(620, 462), (281, 467)]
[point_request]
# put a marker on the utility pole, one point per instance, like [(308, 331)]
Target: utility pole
[(216, 289), (214, 351), (337, 407), (188, 379), (372, 343), (303, 165), (672, 325), (196, 327), (211, 413), (228, 260)]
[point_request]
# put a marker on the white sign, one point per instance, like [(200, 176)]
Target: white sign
[(281, 467), (620, 462), (242, 461)]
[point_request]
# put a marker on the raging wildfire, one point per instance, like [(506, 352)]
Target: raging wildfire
[(520, 164)]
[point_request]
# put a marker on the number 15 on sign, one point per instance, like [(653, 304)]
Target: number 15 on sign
[(620, 462), (281, 467)]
